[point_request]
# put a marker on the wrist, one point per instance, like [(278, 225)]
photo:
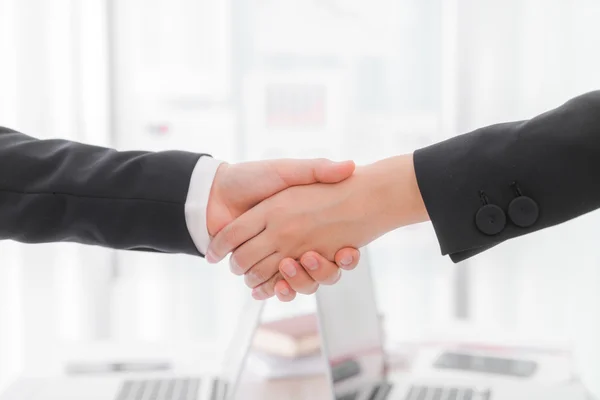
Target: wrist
[(395, 195), (216, 208)]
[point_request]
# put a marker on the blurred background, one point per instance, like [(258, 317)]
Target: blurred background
[(254, 79)]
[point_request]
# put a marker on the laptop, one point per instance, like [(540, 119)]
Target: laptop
[(135, 382), (356, 362)]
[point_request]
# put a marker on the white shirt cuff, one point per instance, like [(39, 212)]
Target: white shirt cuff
[(197, 201)]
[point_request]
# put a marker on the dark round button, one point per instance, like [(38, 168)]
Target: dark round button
[(523, 211), (490, 219)]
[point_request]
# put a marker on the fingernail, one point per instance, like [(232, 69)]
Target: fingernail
[(284, 291), (289, 269), (211, 257), (310, 263), (346, 261), (258, 293)]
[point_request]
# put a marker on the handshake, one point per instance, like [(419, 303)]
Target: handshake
[(292, 224)]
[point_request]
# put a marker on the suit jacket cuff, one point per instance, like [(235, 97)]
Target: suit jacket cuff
[(452, 175), (197, 201)]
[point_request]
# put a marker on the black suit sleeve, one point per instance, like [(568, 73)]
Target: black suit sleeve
[(57, 190), (511, 179)]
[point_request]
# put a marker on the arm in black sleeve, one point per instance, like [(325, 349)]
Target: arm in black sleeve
[(57, 190), (503, 181)]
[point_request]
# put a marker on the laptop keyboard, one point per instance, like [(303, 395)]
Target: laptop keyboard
[(379, 392), (189, 389), (164, 389), (446, 393)]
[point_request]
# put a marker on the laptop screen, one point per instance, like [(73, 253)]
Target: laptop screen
[(351, 332), (238, 349)]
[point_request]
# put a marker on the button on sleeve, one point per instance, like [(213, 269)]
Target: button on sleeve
[(490, 219)]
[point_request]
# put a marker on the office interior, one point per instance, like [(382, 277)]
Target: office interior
[(255, 79)]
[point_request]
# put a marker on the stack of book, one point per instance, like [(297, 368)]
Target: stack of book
[(288, 347)]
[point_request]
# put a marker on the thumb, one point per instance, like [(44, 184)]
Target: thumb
[(326, 171), (304, 172)]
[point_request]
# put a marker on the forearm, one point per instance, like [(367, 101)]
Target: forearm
[(56, 190), (390, 194), (393, 193)]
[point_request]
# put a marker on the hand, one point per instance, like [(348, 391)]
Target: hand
[(306, 276), (238, 187), (376, 199)]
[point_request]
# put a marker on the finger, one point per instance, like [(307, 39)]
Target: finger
[(242, 229), (297, 277), (263, 271), (320, 269), (284, 292), (347, 258), (267, 289), (303, 172), (250, 253)]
